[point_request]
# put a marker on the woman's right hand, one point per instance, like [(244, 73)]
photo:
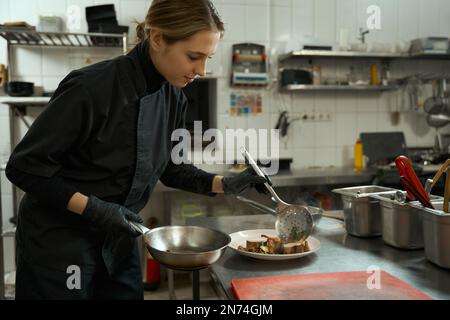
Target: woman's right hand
[(111, 217)]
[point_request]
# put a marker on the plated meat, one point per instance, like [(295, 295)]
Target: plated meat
[(273, 245)]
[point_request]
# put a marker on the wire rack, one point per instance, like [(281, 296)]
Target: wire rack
[(27, 37)]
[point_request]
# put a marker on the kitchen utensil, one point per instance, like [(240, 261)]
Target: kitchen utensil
[(431, 182), (3, 75), (438, 120), (185, 248), (410, 189), (294, 222), (433, 104), (428, 184), (240, 239), (399, 197), (446, 190), (315, 212), (362, 213), (411, 181), (284, 122)]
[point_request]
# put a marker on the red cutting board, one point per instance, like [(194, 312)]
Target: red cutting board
[(325, 286)]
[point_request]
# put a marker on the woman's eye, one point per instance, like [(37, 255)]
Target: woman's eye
[(192, 58)]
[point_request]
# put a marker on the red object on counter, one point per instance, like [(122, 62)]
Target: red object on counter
[(411, 182), (152, 274), (325, 286)]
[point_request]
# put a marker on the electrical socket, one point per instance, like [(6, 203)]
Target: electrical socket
[(315, 116)]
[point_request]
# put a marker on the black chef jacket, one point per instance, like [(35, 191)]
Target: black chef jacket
[(88, 139)]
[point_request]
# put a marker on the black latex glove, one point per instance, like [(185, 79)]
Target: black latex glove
[(239, 183), (111, 217)]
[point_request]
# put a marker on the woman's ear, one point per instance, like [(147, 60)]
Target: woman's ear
[(156, 40)]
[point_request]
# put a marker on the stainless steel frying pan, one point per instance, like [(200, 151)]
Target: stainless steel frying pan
[(187, 248)]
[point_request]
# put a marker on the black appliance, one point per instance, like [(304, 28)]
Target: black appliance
[(382, 148), (201, 96), (295, 76), (102, 19)]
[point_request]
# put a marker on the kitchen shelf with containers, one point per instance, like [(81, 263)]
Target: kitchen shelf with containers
[(373, 77), (307, 75)]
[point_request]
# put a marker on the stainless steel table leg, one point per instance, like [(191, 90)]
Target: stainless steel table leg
[(2, 266), (196, 285), (170, 282)]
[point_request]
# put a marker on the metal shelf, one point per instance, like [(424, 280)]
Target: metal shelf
[(24, 100), (339, 54), (360, 55), (307, 87), (29, 37)]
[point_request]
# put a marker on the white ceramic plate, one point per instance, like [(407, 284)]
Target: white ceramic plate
[(240, 239)]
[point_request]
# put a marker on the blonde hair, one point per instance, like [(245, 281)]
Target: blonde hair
[(179, 19)]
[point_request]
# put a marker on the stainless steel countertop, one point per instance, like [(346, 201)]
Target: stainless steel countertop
[(308, 177), (339, 252)]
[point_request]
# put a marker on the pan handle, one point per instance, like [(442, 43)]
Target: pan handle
[(257, 205), (139, 227)]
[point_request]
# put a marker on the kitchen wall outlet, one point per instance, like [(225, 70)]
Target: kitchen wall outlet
[(323, 116), (315, 116)]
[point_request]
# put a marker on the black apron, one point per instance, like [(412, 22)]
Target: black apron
[(152, 158)]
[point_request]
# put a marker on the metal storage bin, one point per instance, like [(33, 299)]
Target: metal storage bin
[(401, 223), (436, 233), (362, 213)]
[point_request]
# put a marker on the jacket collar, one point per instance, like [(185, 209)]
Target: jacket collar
[(154, 80)]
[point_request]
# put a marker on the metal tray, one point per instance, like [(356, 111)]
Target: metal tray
[(401, 223), (436, 233), (362, 213)]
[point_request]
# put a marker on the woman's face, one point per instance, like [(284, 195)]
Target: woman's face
[(183, 61)]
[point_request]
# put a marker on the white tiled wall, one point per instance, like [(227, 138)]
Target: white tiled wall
[(287, 24), (280, 25)]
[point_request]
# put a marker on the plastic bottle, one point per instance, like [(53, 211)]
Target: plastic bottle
[(316, 70), (374, 74), (358, 155)]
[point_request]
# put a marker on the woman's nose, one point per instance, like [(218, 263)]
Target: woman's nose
[(201, 69)]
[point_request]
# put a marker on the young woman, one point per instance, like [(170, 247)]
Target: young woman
[(90, 161)]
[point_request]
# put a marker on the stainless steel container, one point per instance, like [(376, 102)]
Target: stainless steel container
[(362, 213), (436, 233), (401, 223)]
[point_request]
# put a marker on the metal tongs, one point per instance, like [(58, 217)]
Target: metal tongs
[(260, 173), (411, 183)]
